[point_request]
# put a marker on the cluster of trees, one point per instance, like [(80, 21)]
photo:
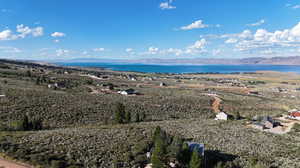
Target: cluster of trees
[(25, 124), (122, 116), (41, 79), (173, 149)]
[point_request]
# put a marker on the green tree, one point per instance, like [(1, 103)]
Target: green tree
[(25, 123), (196, 161), (120, 113), (158, 153), (137, 117), (175, 148), (160, 145), (237, 115), (219, 165), (143, 116), (38, 81), (185, 154), (28, 73), (127, 117)]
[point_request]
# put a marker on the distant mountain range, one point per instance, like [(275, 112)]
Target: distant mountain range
[(295, 60)]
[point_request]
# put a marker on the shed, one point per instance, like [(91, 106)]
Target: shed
[(162, 84), (221, 116), (127, 92)]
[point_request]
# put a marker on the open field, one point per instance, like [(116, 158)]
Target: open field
[(77, 109)]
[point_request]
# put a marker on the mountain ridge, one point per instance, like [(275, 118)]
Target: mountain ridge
[(292, 60)]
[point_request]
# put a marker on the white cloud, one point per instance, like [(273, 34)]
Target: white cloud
[(152, 50), (62, 52), (56, 41), (167, 5), (6, 35), (39, 31), (296, 7), (129, 50), (7, 49), (195, 25), (98, 49), (175, 51), (200, 44), (263, 39), (231, 41), (267, 52), (257, 23), (216, 52), (197, 47), (58, 34), (25, 30), (22, 32)]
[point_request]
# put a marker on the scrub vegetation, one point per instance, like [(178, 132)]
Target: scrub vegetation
[(53, 116)]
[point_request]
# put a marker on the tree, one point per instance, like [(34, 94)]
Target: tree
[(127, 117), (38, 81), (137, 117), (28, 73), (160, 145), (237, 115), (175, 148), (120, 113), (158, 153), (25, 123), (185, 154), (143, 116), (196, 161)]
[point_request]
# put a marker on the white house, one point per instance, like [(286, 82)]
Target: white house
[(127, 92), (221, 116), (2, 95)]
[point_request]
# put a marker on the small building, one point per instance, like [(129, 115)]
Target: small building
[(265, 122), (127, 92), (221, 116), (294, 115), (2, 96), (162, 84), (196, 146)]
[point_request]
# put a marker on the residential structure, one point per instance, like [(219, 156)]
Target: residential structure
[(221, 116), (127, 92), (294, 115)]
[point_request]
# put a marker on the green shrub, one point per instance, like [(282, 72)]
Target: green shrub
[(58, 164), (119, 113), (196, 160)]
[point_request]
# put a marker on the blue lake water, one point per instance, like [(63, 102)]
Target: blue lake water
[(188, 68)]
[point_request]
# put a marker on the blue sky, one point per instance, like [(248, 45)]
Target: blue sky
[(138, 29)]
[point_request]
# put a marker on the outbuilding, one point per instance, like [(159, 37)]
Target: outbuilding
[(221, 116)]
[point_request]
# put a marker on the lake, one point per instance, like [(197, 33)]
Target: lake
[(188, 68)]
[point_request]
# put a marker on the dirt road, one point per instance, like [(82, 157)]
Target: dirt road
[(11, 164), (216, 104)]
